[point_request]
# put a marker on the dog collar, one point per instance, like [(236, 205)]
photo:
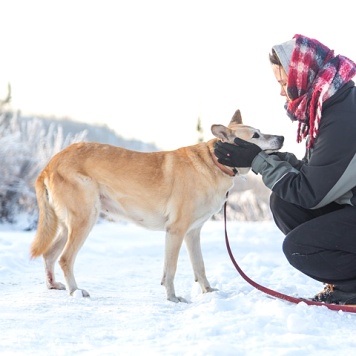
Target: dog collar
[(231, 172)]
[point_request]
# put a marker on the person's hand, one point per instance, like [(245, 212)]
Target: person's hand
[(240, 155)]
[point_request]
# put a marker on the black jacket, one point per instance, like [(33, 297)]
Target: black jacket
[(328, 173)]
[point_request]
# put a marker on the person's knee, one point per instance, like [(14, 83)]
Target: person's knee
[(287, 248), (298, 247), (293, 251)]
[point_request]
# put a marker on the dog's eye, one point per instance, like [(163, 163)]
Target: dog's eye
[(256, 135)]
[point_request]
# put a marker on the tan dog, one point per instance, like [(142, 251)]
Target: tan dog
[(174, 191)]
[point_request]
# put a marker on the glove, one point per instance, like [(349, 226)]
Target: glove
[(240, 156)]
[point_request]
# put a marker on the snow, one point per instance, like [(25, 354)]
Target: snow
[(120, 265)]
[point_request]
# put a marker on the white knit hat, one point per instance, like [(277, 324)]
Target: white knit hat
[(284, 52)]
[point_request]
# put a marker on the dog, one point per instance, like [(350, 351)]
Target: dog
[(173, 191)]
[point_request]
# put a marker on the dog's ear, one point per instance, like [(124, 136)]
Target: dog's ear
[(221, 131), (237, 118)]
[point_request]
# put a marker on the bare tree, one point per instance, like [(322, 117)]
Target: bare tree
[(7, 99), (200, 130)]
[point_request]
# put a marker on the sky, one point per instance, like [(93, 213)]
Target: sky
[(120, 265), (150, 69)]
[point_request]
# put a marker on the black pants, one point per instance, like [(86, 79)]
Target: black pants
[(320, 243)]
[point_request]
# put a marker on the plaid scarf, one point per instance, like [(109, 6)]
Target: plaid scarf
[(315, 74)]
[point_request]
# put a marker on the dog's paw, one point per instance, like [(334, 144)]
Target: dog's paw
[(80, 293), (177, 299), (209, 289), (56, 285)]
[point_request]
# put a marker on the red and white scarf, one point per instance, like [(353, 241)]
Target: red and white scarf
[(315, 74)]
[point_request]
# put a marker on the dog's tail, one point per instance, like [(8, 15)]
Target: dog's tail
[(47, 219)]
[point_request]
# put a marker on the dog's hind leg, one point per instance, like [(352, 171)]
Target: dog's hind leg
[(192, 241), (76, 239), (173, 244), (80, 222), (50, 257)]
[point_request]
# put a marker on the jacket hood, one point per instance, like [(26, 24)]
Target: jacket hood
[(284, 52)]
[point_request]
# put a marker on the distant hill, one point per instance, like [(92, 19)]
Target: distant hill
[(94, 133)]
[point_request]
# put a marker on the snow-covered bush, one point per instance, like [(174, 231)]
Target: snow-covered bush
[(248, 200), (25, 148)]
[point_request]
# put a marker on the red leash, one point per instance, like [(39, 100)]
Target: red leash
[(275, 294)]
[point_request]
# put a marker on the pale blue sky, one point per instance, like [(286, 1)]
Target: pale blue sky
[(149, 69)]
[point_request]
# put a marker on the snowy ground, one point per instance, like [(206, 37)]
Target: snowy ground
[(127, 314)]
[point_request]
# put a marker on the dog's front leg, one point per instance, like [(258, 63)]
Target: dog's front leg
[(173, 244), (192, 241)]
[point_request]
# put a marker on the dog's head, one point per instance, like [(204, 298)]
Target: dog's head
[(267, 142)]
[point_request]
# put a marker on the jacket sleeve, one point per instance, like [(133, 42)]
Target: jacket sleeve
[(290, 158), (272, 168)]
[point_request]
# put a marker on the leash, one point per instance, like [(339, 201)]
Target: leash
[(275, 294)]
